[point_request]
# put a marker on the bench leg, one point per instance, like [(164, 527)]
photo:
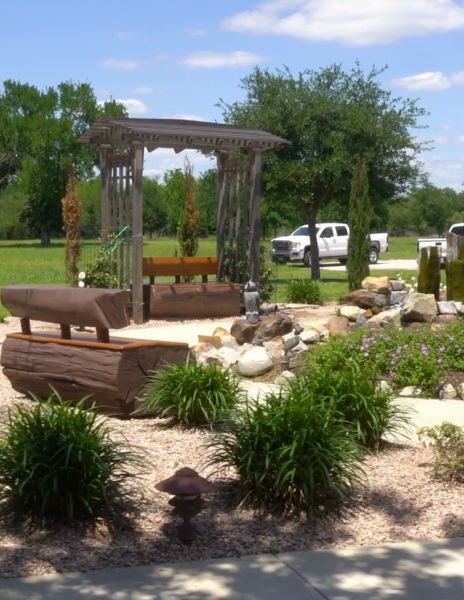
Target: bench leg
[(26, 327), (103, 336), (65, 332)]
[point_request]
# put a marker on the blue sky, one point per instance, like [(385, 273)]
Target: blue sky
[(176, 58)]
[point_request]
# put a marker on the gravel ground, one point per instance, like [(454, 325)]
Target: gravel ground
[(400, 503)]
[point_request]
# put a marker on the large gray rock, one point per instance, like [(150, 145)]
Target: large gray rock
[(459, 307), (398, 297), (397, 286), (447, 308), (351, 312), (228, 356), (420, 307), (309, 336), (387, 317), (367, 299), (254, 362)]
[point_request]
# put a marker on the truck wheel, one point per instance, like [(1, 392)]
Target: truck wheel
[(307, 259), (342, 261), (373, 256)]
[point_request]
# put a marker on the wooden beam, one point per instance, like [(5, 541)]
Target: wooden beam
[(104, 197), (137, 235), (221, 214), (255, 215)]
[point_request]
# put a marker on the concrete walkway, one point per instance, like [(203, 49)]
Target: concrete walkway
[(410, 571)]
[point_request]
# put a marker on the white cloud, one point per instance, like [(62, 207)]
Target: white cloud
[(350, 22), (195, 32), (445, 172), (214, 60), (162, 159), (458, 77), (186, 117), (440, 139), (434, 80), (143, 90), (460, 139), (431, 80), (115, 63), (124, 35), (134, 107)]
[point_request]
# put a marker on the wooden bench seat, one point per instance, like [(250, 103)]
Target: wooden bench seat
[(208, 299), (111, 371)]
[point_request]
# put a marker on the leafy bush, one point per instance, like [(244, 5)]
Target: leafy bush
[(304, 291), (354, 389), (447, 441), (103, 271), (405, 356), (291, 452), (191, 394), (60, 461)]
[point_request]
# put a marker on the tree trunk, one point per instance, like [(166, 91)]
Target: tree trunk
[(311, 214), (45, 238)]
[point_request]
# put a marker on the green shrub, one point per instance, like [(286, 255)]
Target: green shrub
[(191, 394), (291, 452), (405, 356), (355, 392), (60, 461), (304, 291), (447, 441)]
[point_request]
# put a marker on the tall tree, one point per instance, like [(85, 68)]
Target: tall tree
[(39, 130), (154, 208), (206, 200), (174, 198), (190, 220), (357, 264), (331, 117)]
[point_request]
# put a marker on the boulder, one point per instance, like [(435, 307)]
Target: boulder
[(397, 297), (220, 331), (368, 313), (338, 325), (228, 356), (384, 386), (442, 319), (448, 392), (420, 307), (228, 341), (206, 354), (379, 285), (273, 348), (284, 377), (367, 299), (309, 336), (447, 308), (361, 320), (397, 286), (319, 328), (254, 362), (387, 317), (410, 391), (460, 391), (242, 331), (272, 327), (351, 312), (371, 326), (459, 307)]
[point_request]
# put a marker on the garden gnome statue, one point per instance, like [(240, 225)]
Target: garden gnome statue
[(251, 299)]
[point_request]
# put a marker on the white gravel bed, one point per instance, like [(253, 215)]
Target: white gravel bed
[(400, 503)]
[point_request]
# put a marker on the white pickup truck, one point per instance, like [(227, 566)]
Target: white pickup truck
[(332, 240), (440, 243)]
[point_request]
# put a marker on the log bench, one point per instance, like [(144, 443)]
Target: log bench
[(202, 300), (112, 371)]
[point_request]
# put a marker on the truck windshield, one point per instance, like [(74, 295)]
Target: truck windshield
[(458, 230), (303, 230)]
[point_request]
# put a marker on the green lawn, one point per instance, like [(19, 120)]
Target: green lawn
[(28, 262)]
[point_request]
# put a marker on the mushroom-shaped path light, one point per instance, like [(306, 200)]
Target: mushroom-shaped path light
[(187, 487)]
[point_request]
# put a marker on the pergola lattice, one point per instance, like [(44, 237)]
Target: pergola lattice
[(122, 142)]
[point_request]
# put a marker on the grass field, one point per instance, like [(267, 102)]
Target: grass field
[(28, 262)]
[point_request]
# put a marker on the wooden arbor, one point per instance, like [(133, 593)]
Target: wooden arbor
[(122, 143)]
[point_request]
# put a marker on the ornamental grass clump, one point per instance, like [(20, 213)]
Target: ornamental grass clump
[(304, 291), (191, 394), (292, 452), (60, 461)]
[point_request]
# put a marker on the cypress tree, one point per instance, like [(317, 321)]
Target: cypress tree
[(359, 220)]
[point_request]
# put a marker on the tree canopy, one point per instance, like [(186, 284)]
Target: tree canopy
[(333, 119), (39, 130)]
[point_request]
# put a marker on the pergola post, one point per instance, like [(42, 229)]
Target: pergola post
[(221, 213), (105, 195), (137, 233), (255, 215)]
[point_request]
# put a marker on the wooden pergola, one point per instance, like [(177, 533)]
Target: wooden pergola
[(122, 142)]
